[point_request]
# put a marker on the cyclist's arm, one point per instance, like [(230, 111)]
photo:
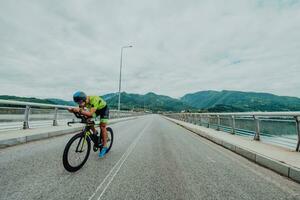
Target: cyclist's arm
[(73, 109), (88, 113)]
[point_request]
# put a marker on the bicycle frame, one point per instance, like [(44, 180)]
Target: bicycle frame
[(86, 130)]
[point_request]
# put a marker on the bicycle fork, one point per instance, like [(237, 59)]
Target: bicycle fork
[(82, 144)]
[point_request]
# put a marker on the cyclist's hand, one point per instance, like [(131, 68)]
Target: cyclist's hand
[(76, 110), (70, 109)]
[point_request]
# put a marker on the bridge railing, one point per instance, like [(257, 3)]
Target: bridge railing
[(23, 115), (281, 128)]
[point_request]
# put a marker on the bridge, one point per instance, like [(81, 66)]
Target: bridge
[(170, 156)]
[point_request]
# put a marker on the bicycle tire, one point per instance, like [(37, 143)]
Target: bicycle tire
[(108, 129), (66, 163)]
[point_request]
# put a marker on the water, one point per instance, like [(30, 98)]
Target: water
[(281, 131)]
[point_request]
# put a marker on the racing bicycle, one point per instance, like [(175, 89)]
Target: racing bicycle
[(78, 148)]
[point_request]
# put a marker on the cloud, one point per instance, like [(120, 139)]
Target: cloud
[(52, 48)]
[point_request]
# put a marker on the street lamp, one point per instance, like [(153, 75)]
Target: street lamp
[(119, 103)]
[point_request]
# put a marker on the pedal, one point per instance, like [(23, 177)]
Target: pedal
[(95, 149)]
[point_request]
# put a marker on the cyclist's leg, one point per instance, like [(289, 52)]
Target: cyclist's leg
[(103, 122), (93, 129), (94, 135), (104, 133)]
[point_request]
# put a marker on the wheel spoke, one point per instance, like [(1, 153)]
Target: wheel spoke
[(77, 152)]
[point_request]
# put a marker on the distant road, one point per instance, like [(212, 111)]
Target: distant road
[(151, 158)]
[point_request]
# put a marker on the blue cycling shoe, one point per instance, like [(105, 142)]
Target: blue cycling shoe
[(102, 152)]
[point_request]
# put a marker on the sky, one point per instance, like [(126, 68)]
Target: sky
[(52, 48)]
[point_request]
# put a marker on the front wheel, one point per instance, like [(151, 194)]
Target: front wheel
[(76, 152)]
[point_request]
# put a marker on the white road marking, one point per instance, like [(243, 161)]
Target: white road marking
[(118, 166)]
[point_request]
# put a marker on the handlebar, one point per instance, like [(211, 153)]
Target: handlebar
[(84, 119), (80, 116)]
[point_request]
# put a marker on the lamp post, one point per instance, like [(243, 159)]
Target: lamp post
[(119, 103)]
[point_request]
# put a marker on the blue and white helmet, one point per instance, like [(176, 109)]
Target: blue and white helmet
[(79, 97)]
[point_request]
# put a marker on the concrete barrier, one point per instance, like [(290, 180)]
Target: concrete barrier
[(246, 153), (294, 174), (274, 165), (27, 136), (229, 146)]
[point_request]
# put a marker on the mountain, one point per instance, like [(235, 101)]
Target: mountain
[(236, 101), (25, 99), (62, 102), (149, 101), (203, 101), (36, 100), (109, 95)]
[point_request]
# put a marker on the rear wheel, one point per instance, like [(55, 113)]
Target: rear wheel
[(76, 152), (110, 138)]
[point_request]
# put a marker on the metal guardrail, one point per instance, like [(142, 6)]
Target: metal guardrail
[(36, 114), (252, 124)]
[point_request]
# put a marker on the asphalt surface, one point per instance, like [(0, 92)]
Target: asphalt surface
[(152, 158)]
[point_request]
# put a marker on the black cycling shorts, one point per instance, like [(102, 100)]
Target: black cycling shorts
[(103, 113)]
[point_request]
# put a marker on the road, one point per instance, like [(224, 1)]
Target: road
[(152, 158)]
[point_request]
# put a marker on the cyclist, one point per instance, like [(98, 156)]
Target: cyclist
[(96, 107)]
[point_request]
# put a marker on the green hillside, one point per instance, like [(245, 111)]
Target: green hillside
[(36, 100), (241, 101), (204, 101), (149, 101)]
